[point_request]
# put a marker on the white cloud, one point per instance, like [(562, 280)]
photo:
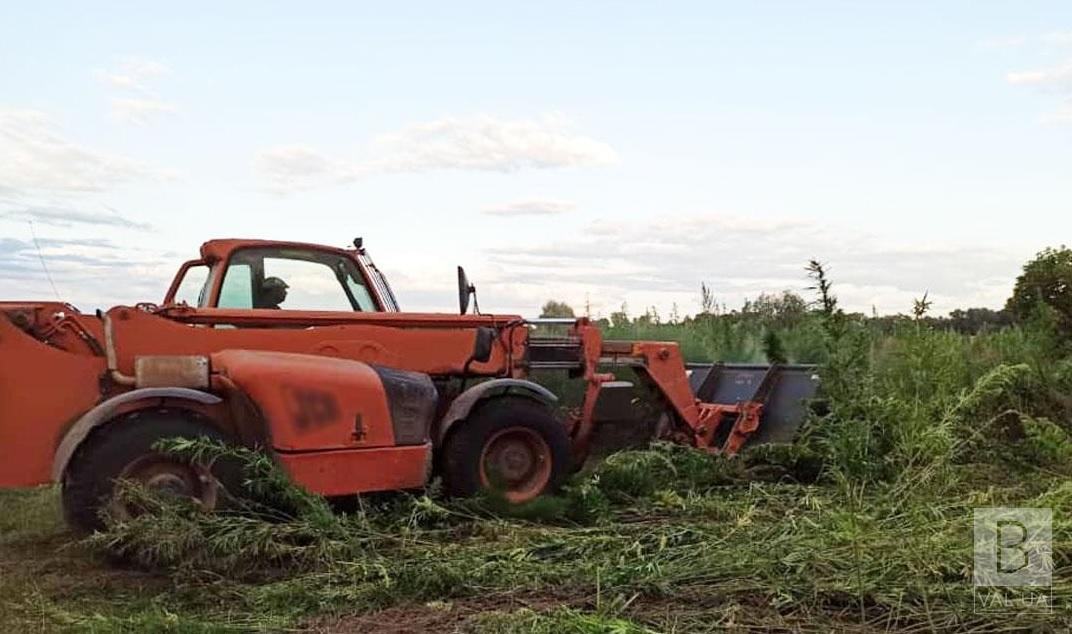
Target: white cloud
[(140, 110), (63, 216), (1057, 78), (1058, 38), (48, 179), (1003, 42), (1053, 38), (38, 158), (132, 73), (83, 271), (488, 144), (663, 262), (531, 208), (288, 168), (141, 105), (480, 143), (1063, 115)]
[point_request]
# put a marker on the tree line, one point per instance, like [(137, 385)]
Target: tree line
[(1043, 286)]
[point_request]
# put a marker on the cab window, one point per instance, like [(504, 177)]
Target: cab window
[(237, 289), (191, 290), (293, 279)]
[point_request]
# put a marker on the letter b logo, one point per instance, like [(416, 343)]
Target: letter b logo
[(1012, 547)]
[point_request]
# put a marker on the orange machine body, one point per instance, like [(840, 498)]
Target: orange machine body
[(315, 387), (347, 401)]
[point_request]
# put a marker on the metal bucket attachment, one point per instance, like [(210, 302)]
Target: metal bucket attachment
[(783, 390), (626, 416)]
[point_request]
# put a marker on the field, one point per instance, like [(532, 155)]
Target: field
[(865, 525)]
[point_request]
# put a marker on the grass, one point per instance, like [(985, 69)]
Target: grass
[(865, 525)]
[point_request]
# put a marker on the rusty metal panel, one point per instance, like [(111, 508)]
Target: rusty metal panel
[(171, 371)]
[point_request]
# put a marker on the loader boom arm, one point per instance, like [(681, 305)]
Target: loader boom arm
[(661, 364)]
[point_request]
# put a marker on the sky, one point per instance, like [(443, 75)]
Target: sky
[(598, 153)]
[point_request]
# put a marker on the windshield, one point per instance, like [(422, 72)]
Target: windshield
[(293, 278)]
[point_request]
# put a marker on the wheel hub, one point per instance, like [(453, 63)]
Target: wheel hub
[(172, 483), (517, 460), (170, 476)]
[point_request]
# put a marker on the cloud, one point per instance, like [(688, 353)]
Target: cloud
[(67, 217), (141, 111), (489, 144), (1053, 80), (84, 271), (50, 180), (1053, 38), (132, 73), (1003, 42), (141, 105), (1058, 78), (37, 157), (1063, 115), (531, 208), (296, 167), (663, 262), (481, 143), (1058, 38)]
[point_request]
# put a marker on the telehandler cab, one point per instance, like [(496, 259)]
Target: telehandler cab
[(301, 350)]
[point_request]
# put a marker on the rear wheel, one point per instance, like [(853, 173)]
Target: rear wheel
[(512, 446), (124, 451)]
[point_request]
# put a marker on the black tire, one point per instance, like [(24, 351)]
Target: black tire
[(89, 482), (463, 457)]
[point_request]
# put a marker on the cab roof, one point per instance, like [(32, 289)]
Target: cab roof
[(220, 248)]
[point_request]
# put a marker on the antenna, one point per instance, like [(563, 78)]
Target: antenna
[(44, 266)]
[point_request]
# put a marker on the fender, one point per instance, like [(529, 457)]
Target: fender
[(459, 409), (106, 410)]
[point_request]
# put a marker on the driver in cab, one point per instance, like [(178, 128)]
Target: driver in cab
[(273, 293)]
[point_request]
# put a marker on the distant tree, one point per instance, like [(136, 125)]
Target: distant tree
[(556, 309), (785, 309), (975, 320), (1046, 279)]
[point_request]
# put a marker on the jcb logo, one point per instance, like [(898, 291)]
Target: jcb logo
[(312, 408)]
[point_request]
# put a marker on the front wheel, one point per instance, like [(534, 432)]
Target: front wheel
[(512, 446), (124, 450)]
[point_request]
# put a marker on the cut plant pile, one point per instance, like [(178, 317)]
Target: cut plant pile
[(864, 525)]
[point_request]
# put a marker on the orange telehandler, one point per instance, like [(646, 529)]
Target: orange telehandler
[(301, 350)]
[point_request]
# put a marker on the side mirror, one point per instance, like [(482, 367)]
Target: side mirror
[(465, 289)]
